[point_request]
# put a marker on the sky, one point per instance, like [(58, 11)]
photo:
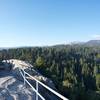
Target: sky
[(48, 22)]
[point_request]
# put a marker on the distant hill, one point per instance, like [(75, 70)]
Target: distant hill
[(93, 43), (75, 43)]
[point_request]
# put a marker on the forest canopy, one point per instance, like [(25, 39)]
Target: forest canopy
[(74, 69)]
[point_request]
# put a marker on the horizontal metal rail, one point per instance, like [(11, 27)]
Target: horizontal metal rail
[(25, 80), (45, 86)]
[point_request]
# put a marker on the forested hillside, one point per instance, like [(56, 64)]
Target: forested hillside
[(75, 69)]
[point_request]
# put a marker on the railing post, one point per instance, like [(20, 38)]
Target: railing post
[(36, 90), (24, 77)]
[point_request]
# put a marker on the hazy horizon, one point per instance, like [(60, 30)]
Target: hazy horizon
[(46, 23)]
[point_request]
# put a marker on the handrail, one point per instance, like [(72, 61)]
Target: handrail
[(45, 86), (38, 94)]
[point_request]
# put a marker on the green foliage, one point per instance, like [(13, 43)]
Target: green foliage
[(67, 84), (74, 69), (98, 81), (40, 62), (98, 55)]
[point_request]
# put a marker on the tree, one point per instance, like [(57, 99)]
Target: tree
[(40, 62), (98, 81)]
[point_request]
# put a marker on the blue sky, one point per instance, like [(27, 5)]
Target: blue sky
[(48, 22)]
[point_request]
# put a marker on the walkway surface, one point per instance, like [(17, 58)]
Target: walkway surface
[(13, 89)]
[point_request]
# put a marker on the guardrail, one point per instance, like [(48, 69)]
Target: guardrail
[(23, 74)]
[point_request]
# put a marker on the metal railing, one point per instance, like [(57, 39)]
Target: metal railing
[(24, 73)]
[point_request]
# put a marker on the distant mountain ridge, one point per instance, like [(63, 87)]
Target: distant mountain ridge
[(88, 43), (93, 43)]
